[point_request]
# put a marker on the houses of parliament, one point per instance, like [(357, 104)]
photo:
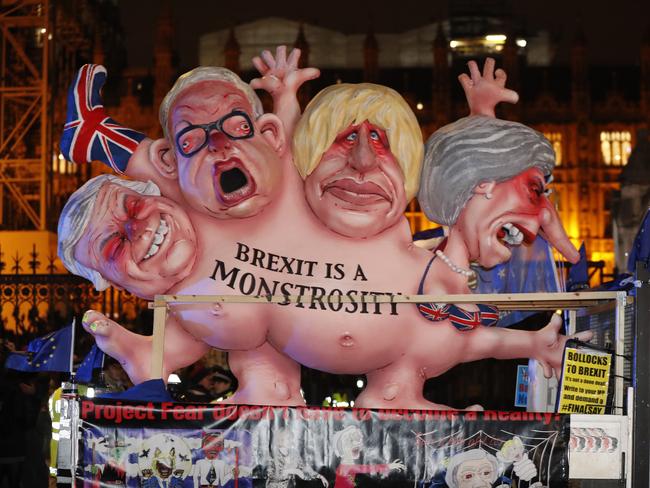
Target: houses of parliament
[(596, 117)]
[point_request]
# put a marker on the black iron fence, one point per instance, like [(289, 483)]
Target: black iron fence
[(32, 303)]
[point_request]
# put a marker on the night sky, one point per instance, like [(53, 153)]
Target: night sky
[(613, 29)]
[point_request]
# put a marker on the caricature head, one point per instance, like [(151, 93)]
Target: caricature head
[(225, 151), (348, 443), (487, 177), (359, 150), (212, 445), (475, 468), (120, 232)]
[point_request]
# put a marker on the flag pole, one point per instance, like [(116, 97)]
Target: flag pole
[(74, 320)]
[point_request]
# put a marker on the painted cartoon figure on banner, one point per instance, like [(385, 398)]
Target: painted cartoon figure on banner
[(246, 253), (287, 464), (108, 463), (348, 446), (164, 460)]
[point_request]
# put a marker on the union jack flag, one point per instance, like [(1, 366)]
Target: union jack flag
[(434, 311), (462, 319), (89, 134), (486, 315)]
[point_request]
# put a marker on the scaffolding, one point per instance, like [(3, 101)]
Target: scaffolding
[(25, 135)]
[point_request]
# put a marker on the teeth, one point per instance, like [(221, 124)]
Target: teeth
[(158, 238), (513, 236)]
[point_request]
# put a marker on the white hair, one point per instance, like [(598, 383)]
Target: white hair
[(471, 455), (341, 438), (206, 73), (75, 216)]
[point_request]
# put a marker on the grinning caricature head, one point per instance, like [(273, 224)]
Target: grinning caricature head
[(226, 153), (486, 179), (359, 149), (475, 468), (120, 232)]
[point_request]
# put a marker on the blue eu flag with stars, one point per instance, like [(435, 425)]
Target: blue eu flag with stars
[(47, 353), (93, 360)]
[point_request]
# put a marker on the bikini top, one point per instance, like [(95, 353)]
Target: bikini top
[(487, 315)]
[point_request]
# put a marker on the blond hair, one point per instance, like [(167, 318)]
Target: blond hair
[(337, 107)]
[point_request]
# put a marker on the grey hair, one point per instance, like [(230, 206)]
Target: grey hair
[(206, 73), (471, 455), (75, 216), (341, 436), (473, 150)]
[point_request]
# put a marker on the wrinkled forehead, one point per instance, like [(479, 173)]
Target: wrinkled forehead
[(209, 99)]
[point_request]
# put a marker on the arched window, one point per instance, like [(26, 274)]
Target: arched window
[(616, 147)]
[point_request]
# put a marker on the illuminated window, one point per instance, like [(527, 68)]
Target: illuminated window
[(556, 141), (616, 147)]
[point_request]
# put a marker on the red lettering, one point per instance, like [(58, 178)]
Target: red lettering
[(127, 412), (140, 412), (86, 408)]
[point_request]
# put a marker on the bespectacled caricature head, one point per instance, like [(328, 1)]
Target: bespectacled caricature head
[(225, 151)]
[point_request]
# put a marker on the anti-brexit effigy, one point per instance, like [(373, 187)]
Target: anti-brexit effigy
[(234, 201)]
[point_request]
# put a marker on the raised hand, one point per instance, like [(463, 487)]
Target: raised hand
[(89, 134), (549, 346), (397, 464), (484, 91), (280, 74), (282, 78)]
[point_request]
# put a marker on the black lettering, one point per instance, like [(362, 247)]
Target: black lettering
[(221, 267), (264, 290), (301, 293), (310, 267), (273, 262), (364, 303), (242, 284), (258, 256), (360, 273), (285, 289), (242, 252), (317, 297), (352, 294), (334, 305), (286, 264)]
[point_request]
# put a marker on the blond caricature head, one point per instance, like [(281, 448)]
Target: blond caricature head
[(386, 150)]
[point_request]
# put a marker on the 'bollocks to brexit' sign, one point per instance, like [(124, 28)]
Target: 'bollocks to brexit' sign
[(585, 379)]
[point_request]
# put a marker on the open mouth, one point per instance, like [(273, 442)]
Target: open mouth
[(158, 239), (232, 183), (163, 469), (514, 235), (350, 191)]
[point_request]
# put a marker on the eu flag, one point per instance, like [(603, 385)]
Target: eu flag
[(641, 247), (578, 273), (92, 361), (48, 353)]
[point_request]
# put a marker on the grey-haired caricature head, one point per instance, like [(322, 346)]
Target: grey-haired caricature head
[(122, 232), (487, 178)]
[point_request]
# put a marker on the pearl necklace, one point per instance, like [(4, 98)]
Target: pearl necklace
[(470, 274)]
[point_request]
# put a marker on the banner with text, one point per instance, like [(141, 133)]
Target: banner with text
[(184, 445), (585, 380)]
